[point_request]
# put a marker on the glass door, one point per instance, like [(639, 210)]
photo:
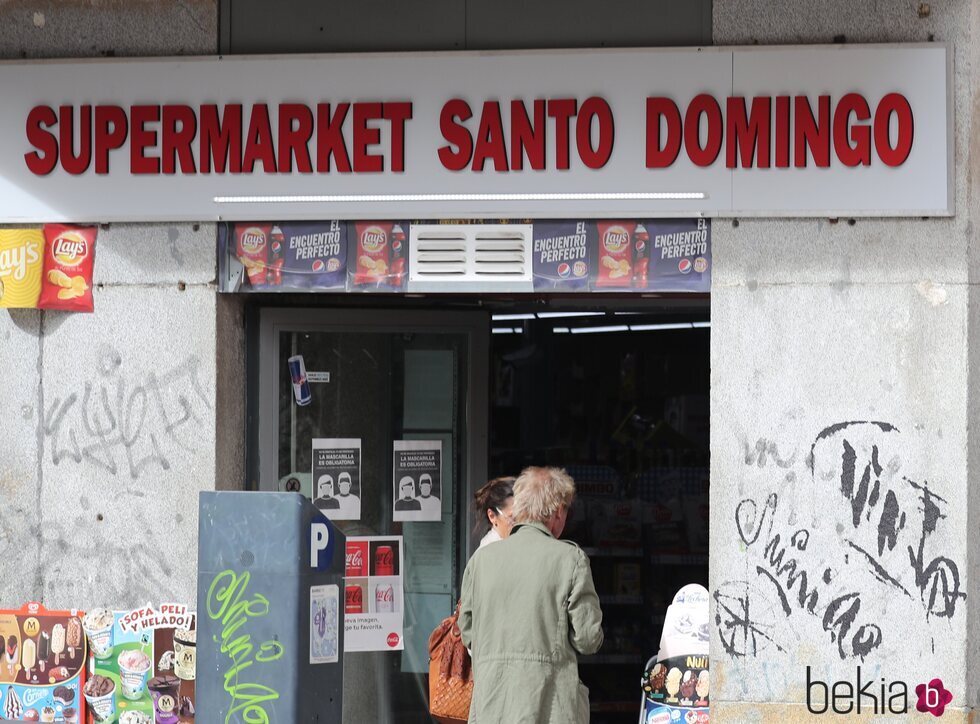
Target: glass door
[(375, 378)]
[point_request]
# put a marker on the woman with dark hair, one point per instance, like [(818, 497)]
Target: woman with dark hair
[(494, 505)]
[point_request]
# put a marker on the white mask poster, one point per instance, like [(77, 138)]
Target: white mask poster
[(417, 480), (336, 479)]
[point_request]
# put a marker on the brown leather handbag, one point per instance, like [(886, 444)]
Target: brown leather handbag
[(450, 673)]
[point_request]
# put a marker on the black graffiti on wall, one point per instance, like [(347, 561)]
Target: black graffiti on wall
[(887, 530), (128, 424)]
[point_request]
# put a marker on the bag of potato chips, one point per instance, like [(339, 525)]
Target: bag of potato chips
[(20, 267), (69, 258), (615, 254)]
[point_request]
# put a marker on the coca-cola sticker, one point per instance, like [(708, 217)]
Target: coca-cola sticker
[(393, 639)]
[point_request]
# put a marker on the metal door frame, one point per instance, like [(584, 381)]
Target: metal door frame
[(474, 324)]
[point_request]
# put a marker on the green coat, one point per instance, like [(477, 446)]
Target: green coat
[(528, 608)]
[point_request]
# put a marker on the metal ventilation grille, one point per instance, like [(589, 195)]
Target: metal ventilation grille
[(470, 258)]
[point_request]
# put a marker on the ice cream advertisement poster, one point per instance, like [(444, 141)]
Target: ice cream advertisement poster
[(143, 665), (676, 685), (42, 669), (373, 594)]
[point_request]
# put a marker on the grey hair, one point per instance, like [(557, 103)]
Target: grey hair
[(539, 492)]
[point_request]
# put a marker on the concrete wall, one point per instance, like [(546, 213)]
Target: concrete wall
[(841, 534), (108, 420)]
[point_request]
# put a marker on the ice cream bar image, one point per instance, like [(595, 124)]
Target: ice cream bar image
[(11, 651), (688, 683), (74, 636), (57, 642), (703, 685), (28, 656), (43, 649)]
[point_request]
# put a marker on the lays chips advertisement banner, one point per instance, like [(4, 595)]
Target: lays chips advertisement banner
[(49, 268)]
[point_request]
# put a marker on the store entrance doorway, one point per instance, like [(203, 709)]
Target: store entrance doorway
[(619, 399), (614, 389)]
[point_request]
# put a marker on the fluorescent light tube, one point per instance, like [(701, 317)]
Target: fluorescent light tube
[(653, 327), (561, 315), (597, 330), (394, 198)]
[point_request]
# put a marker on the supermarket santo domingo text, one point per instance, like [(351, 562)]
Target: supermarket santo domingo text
[(779, 131)]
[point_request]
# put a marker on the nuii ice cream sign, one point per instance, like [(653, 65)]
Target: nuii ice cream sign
[(561, 254)]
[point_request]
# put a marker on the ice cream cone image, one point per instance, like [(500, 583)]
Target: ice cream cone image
[(12, 709)]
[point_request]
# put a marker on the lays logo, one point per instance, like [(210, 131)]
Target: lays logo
[(69, 248), (373, 239), (616, 239), (253, 239)]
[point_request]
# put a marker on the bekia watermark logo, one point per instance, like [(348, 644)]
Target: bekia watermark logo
[(933, 697), (873, 696)]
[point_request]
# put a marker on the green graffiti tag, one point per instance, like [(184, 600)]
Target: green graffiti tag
[(228, 603)]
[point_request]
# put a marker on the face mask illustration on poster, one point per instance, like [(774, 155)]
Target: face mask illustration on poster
[(336, 477), (417, 479)]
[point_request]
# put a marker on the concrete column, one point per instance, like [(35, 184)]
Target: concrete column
[(840, 503), (108, 423)]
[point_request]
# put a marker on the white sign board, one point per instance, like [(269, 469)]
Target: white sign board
[(823, 130)]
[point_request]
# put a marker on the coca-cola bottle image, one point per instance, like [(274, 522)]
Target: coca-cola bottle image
[(273, 273), (384, 598)]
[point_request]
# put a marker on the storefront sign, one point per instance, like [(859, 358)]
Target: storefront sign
[(814, 130), (374, 595)]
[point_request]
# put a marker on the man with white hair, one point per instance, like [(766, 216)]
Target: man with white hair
[(528, 610)]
